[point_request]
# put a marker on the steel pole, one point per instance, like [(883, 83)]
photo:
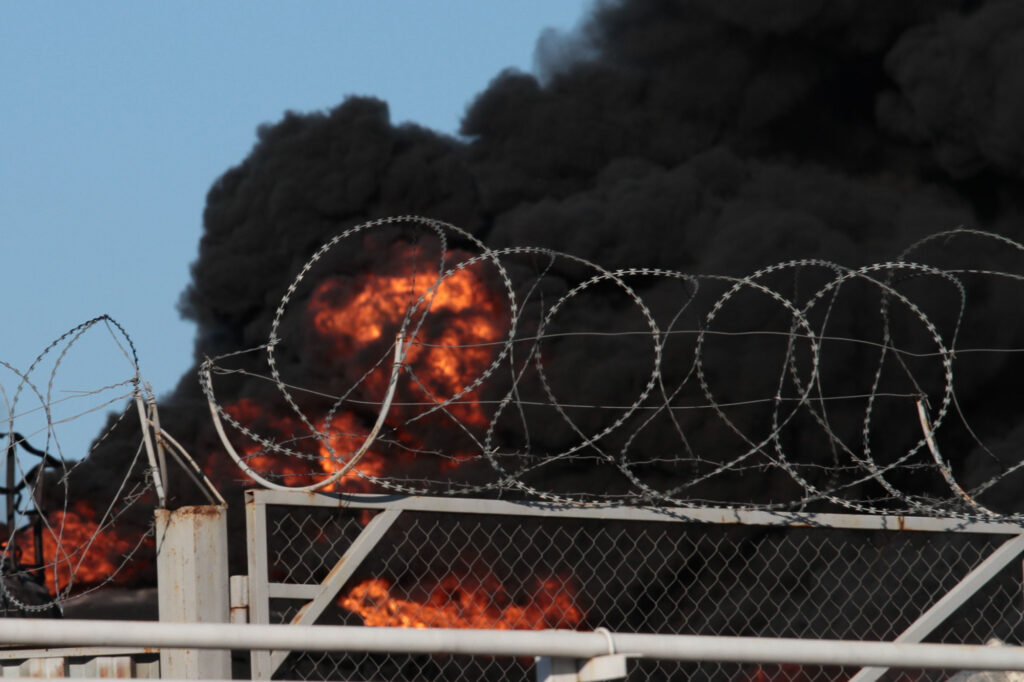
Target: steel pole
[(554, 643)]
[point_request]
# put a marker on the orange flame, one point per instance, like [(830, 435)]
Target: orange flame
[(447, 354), (446, 361), (382, 301), (444, 358), (454, 604), (344, 437), (74, 543)]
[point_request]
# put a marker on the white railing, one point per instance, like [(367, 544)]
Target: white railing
[(551, 643)]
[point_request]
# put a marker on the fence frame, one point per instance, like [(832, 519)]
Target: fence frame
[(319, 596)]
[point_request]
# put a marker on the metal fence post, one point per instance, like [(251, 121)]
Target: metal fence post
[(259, 606), (239, 598), (192, 572)]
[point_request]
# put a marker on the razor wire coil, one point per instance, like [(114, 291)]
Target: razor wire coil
[(67, 551), (798, 394)]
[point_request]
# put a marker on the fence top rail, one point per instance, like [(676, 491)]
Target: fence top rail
[(605, 512)]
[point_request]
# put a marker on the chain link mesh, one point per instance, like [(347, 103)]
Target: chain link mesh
[(487, 571)]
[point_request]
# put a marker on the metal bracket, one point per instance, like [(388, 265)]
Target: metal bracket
[(596, 669)]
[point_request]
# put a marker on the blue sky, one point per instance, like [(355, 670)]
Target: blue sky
[(117, 116)]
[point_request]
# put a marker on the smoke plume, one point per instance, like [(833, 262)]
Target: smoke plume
[(700, 135)]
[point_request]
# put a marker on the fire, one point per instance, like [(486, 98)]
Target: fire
[(456, 603), (381, 301), (344, 437), (445, 360), (449, 351), (75, 545)]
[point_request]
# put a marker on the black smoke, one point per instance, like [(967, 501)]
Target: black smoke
[(703, 136)]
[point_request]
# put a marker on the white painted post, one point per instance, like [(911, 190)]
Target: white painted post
[(239, 599), (192, 575), (259, 598)]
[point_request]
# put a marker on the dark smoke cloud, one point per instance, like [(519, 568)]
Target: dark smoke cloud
[(960, 91), (306, 176), (704, 136)]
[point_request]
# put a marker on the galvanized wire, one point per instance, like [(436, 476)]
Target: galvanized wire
[(868, 476), (62, 526)]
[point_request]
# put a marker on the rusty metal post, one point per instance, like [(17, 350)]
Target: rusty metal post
[(192, 576)]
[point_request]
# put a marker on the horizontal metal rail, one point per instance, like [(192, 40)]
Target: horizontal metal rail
[(718, 515), (73, 652), (553, 643)]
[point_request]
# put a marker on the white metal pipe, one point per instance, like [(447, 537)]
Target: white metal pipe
[(396, 367), (605, 512), (161, 455), (554, 643), (150, 454)]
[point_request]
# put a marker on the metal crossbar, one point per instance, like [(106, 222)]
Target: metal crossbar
[(442, 562)]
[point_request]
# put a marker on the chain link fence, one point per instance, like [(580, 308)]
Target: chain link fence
[(464, 570)]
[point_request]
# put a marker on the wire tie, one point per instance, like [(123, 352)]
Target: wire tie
[(608, 637)]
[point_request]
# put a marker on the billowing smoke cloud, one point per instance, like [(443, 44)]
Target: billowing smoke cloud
[(703, 136)]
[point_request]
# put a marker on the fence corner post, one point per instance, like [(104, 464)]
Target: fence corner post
[(192, 575)]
